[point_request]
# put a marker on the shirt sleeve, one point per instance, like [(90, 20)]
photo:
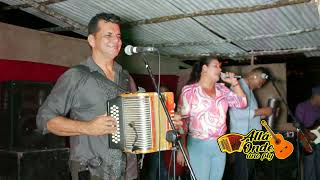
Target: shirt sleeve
[(234, 100), (299, 113), (252, 113), (132, 84), (60, 99), (184, 103)]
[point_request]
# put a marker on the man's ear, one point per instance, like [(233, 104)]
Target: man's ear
[(91, 40)]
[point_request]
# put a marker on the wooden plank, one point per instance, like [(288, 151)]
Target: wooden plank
[(21, 6), (58, 29), (248, 55), (56, 15)]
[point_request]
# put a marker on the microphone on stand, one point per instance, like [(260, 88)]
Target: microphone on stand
[(129, 50), (274, 104)]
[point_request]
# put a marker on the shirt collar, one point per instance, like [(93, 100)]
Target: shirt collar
[(219, 89), (244, 85), (94, 67)]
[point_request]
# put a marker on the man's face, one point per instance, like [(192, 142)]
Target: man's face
[(257, 81), (107, 41)]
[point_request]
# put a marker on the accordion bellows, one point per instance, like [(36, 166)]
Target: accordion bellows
[(141, 122)]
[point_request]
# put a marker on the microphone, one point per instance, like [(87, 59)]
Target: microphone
[(274, 104), (129, 50), (224, 76)]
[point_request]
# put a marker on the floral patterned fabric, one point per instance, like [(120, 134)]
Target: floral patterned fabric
[(207, 115)]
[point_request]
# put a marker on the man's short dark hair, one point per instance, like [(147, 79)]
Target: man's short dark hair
[(262, 70), (93, 24)]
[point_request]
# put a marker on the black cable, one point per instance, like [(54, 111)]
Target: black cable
[(134, 147)]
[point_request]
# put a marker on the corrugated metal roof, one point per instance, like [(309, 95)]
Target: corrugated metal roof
[(19, 2), (128, 10), (311, 39), (45, 16), (312, 54), (271, 21), (78, 11), (223, 48), (182, 30)]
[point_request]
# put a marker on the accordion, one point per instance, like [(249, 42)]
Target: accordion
[(141, 122), (231, 143)]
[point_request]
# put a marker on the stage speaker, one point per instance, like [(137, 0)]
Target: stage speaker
[(50, 164), (19, 103)]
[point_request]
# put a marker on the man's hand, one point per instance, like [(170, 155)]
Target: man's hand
[(310, 136), (266, 111), (101, 125)]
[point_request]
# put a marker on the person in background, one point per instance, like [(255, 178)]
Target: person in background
[(82, 91), (242, 121), (205, 102), (308, 114)]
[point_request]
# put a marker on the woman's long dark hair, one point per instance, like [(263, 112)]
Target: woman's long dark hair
[(197, 68)]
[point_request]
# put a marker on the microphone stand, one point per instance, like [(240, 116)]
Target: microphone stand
[(296, 124), (172, 135)]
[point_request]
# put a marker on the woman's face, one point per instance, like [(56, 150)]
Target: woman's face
[(213, 70)]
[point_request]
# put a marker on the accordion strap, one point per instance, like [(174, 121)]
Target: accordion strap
[(99, 76)]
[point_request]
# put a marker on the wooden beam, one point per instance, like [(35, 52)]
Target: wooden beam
[(197, 56), (58, 29), (56, 15), (285, 51), (248, 55), (205, 43), (212, 12), (22, 6)]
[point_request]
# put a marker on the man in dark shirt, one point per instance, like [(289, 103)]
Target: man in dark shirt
[(83, 93), (308, 114)]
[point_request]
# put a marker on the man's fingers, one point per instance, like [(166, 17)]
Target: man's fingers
[(110, 129), (110, 123)]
